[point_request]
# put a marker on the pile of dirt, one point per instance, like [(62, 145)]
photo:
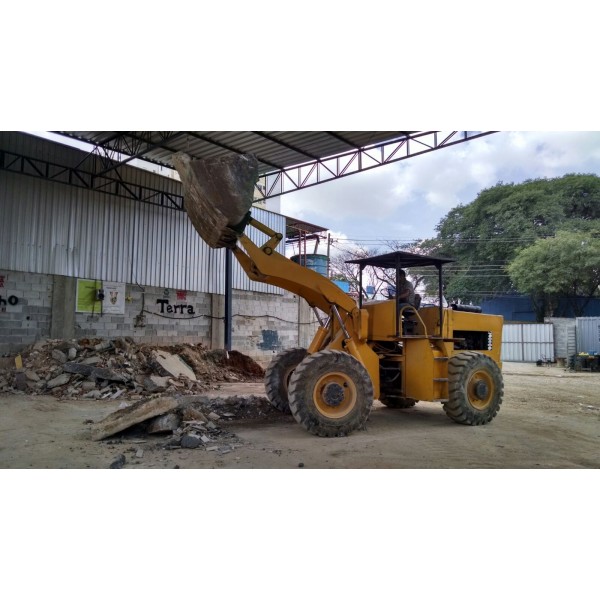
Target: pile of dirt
[(121, 368)]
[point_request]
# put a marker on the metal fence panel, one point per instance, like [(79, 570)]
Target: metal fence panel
[(588, 334), (523, 342)]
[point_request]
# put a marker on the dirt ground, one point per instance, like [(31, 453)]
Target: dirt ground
[(550, 418)]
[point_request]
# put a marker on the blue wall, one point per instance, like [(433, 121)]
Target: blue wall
[(520, 308)]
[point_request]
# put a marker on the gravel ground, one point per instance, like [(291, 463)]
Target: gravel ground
[(550, 418)]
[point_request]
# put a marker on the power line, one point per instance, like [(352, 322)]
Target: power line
[(461, 241)]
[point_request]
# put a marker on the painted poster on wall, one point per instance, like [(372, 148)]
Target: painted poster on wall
[(86, 301), (100, 297), (114, 298)]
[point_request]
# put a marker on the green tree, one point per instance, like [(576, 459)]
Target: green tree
[(486, 235), (567, 265)]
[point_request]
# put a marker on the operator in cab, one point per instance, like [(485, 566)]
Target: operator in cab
[(405, 291)]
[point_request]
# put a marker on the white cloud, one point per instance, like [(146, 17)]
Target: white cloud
[(370, 194), (407, 199)]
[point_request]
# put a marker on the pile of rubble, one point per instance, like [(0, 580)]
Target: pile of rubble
[(120, 368), (192, 423), (166, 394)]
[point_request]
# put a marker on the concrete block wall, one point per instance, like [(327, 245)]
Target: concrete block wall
[(25, 309), (263, 324), (144, 322)]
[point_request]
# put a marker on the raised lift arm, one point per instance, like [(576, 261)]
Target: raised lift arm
[(218, 196), (346, 326)]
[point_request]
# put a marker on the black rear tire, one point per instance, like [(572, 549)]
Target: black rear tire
[(475, 389), (277, 377), (331, 393)]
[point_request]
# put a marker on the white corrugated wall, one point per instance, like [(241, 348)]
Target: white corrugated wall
[(525, 342), (588, 334), (56, 229), (564, 336)]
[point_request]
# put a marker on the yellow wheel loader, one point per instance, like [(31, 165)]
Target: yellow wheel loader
[(397, 353)]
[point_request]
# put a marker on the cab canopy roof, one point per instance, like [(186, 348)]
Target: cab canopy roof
[(399, 260)]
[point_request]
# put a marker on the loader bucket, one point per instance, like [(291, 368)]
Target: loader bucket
[(217, 194)]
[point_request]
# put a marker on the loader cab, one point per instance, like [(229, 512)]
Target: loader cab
[(397, 261)]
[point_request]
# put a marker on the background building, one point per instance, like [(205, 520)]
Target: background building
[(121, 260)]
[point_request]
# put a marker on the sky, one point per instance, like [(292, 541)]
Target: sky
[(407, 199)]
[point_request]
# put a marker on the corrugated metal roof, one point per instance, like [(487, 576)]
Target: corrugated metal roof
[(274, 149)]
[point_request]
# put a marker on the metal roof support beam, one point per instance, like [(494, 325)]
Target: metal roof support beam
[(141, 153), (120, 144), (77, 177), (284, 181)]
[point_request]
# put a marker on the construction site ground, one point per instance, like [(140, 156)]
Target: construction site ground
[(550, 418)]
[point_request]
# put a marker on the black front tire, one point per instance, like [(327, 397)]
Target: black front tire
[(277, 377), (475, 389), (331, 393)]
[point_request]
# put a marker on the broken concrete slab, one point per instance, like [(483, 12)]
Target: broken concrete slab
[(59, 356), (190, 441), (91, 360), (132, 415), (154, 383), (31, 375), (103, 346), (108, 375), (191, 414), (197, 425), (78, 368), (62, 379), (161, 382), (164, 424), (173, 364)]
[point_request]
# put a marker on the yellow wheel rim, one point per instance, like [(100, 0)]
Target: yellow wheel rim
[(481, 389), (335, 395)]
